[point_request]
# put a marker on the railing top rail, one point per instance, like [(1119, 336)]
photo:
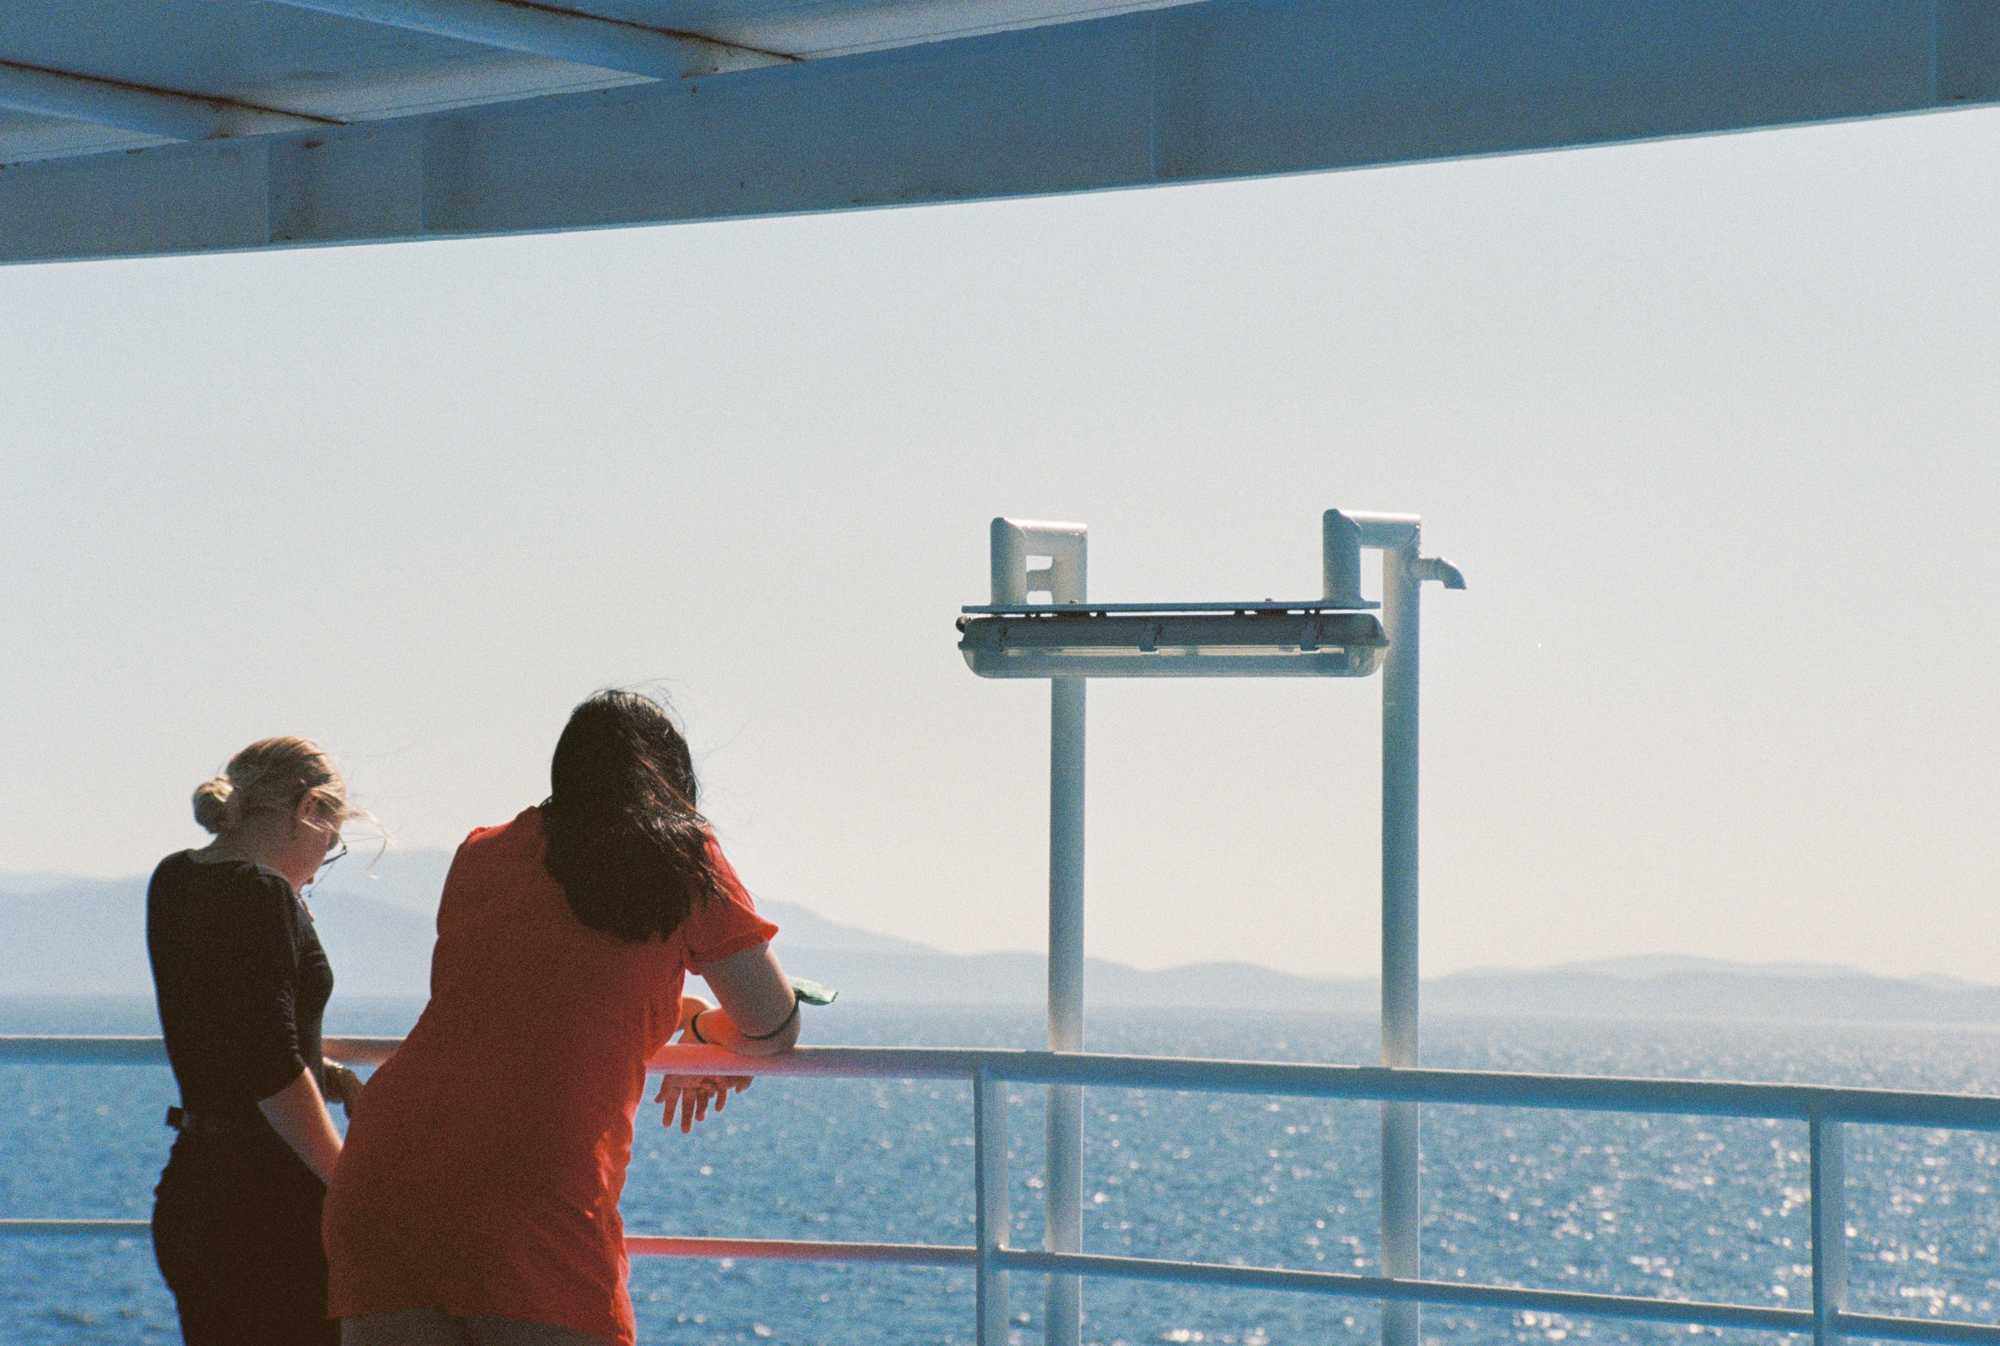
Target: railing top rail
[(1483, 1088)]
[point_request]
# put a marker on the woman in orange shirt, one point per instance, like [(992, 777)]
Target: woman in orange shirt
[(476, 1200)]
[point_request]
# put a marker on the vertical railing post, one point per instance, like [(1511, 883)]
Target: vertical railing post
[(989, 1185), (1828, 1146), (1401, 1146), (1064, 1198)]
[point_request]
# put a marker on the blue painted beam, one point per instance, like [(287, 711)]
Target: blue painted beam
[(1218, 90)]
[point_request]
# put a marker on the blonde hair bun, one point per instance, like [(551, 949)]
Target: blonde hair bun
[(273, 775), (215, 806)]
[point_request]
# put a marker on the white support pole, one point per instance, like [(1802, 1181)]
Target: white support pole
[(1064, 1218), (1829, 1227), (989, 1175), (1401, 1204), (1065, 580)]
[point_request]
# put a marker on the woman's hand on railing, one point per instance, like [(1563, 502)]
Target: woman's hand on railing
[(344, 1087), (693, 1095)]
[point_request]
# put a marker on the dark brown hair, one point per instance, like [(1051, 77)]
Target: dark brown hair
[(625, 840)]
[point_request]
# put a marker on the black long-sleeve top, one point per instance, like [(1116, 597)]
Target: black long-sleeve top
[(241, 981)]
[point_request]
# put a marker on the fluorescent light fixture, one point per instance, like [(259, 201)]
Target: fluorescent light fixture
[(1332, 636), (1158, 640)]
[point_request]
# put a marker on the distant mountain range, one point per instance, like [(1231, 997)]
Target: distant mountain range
[(65, 934)]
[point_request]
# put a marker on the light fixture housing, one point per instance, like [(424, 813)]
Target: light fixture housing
[(1312, 639)]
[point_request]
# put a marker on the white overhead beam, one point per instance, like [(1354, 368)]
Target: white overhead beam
[(762, 38), (821, 32), (560, 34), (131, 107)]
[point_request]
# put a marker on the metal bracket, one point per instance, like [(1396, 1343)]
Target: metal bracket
[(1438, 569)]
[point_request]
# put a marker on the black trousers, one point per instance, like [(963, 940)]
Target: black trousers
[(236, 1232)]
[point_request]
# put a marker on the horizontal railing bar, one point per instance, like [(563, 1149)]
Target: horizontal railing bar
[(1457, 1294), (802, 1250), (1587, 1093), (1796, 1102), (1707, 1098), (637, 1245), (75, 1229), (81, 1051), (1942, 1331), (362, 1051), (1454, 1294)]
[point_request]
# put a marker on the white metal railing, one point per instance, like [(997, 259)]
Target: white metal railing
[(1824, 1110)]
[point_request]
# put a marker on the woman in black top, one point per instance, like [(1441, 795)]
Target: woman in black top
[(242, 981)]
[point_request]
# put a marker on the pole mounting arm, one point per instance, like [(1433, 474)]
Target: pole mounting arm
[(1440, 570)]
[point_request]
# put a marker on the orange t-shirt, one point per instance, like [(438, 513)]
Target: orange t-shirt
[(483, 1167)]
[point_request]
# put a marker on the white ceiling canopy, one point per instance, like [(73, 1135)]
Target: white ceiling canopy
[(139, 127)]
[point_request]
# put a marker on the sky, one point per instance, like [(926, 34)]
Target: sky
[(1711, 426)]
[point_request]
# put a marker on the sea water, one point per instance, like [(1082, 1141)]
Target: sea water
[(1684, 1207)]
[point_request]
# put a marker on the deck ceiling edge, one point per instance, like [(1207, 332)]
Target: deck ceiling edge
[(1216, 91)]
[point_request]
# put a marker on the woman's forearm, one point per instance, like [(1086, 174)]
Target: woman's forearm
[(715, 1026), (753, 990), (298, 1113)]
